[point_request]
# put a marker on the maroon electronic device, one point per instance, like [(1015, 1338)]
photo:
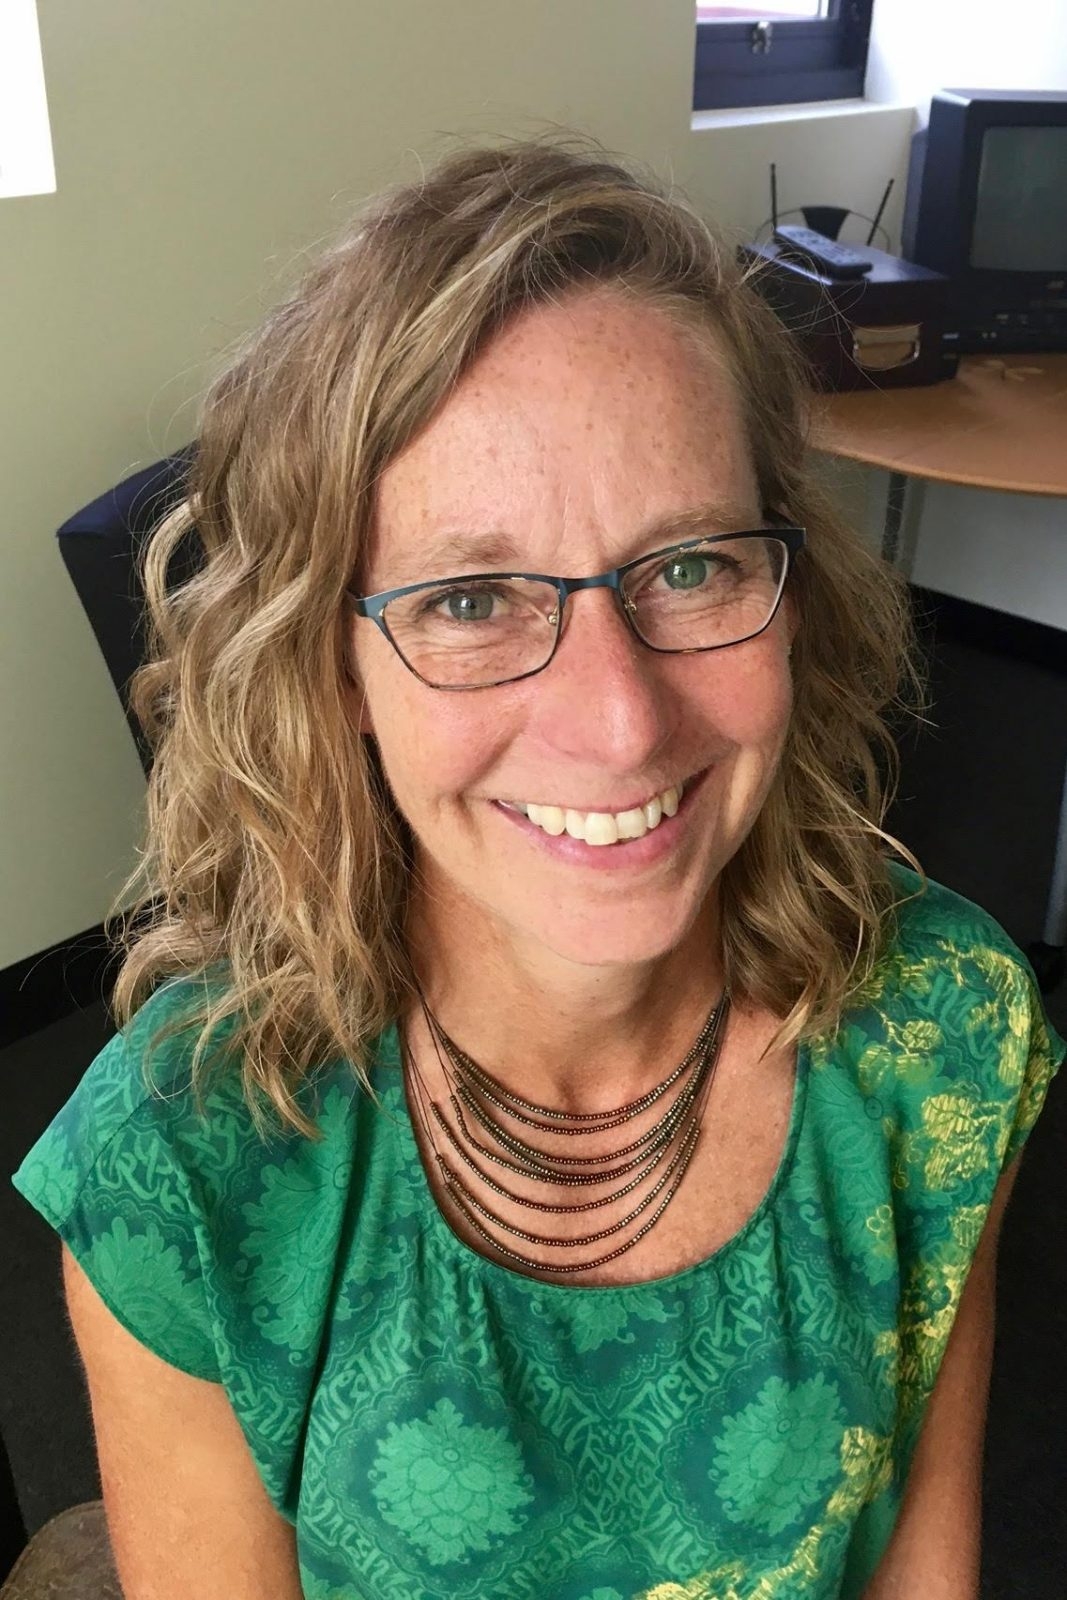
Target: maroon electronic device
[(880, 322)]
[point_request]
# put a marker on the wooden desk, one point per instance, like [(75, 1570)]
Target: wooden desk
[(1001, 423)]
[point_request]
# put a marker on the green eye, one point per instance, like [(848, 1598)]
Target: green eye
[(688, 572), (470, 605)]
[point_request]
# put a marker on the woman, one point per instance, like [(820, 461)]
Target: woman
[(604, 1128)]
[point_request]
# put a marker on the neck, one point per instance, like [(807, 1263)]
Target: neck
[(577, 1037)]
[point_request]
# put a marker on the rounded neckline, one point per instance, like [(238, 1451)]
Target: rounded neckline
[(445, 1235)]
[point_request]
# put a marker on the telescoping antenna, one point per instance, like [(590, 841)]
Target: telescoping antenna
[(877, 215)]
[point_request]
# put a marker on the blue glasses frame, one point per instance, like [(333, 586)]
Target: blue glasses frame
[(372, 606)]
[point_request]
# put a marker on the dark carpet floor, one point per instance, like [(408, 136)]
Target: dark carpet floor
[(978, 804)]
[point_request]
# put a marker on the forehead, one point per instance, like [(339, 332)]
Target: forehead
[(583, 424)]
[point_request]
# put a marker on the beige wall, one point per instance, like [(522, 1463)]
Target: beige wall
[(200, 148)]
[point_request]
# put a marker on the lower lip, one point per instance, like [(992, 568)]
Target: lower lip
[(651, 847)]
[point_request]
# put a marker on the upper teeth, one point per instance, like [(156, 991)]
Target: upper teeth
[(606, 827)]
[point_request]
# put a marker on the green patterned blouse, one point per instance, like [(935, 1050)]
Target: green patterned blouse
[(437, 1425)]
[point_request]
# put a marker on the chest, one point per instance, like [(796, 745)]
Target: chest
[(536, 1442), (740, 1145)]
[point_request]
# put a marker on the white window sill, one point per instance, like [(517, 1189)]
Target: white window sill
[(806, 111)]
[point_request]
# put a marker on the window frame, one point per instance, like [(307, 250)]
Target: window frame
[(815, 58)]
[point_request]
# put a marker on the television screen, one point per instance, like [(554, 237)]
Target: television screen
[(1020, 222)]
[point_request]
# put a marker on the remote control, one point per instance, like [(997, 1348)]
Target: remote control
[(835, 260)]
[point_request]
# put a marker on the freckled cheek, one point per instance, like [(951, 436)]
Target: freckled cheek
[(751, 709), (433, 745), (437, 754)]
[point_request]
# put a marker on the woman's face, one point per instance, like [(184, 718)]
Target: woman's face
[(583, 424)]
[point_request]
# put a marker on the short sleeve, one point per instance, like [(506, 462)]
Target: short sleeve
[(966, 998), (106, 1175), (1031, 1054)]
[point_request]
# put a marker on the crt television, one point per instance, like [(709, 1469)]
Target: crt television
[(987, 205)]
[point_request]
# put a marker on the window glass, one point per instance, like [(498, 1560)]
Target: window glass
[(776, 11)]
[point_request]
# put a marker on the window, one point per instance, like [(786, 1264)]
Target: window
[(779, 53), (26, 165)]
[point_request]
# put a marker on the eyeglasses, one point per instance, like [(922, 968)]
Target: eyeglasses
[(489, 628)]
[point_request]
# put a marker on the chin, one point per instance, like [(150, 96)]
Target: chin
[(611, 937)]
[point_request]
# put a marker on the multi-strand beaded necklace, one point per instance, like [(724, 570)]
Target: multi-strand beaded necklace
[(478, 1090)]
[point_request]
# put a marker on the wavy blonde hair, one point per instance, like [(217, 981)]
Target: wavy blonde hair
[(275, 866)]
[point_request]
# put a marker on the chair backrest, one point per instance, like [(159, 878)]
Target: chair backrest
[(99, 545)]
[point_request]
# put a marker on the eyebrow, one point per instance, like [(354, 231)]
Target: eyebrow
[(496, 550)]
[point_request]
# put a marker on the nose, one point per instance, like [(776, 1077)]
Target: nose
[(603, 699)]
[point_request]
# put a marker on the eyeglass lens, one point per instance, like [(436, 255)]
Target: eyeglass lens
[(459, 634)]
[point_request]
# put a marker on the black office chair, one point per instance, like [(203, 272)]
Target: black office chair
[(99, 545), (70, 1557)]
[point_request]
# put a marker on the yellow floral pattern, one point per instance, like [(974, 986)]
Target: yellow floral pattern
[(865, 1472)]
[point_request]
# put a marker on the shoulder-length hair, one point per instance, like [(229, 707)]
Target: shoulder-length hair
[(274, 860)]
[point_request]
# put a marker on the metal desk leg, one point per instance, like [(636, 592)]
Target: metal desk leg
[(903, 507), (1047, 956)]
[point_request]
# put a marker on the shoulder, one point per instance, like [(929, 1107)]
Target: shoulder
[(948, 958), (132, 1106), (952, 1028), (192, 1224), (928, 912), (155, 1193), (137, 1096)]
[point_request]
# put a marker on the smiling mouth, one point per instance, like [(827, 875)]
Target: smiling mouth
[(605, 827)]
